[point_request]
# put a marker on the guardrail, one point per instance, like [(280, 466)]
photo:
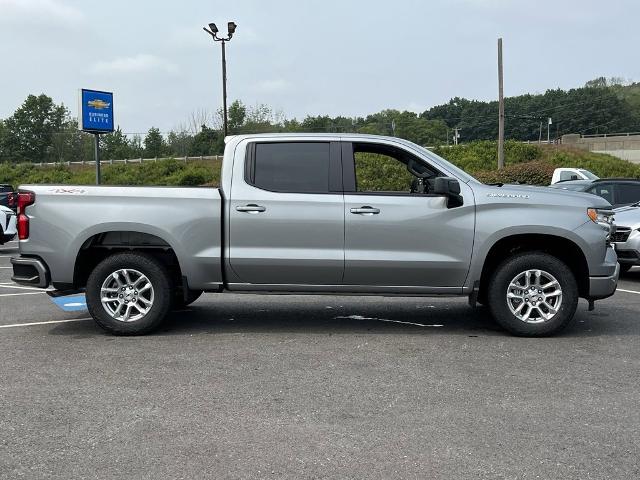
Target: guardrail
[(605, 135), (130, 160)]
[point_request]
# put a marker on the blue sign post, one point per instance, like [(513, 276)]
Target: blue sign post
[(95, 115)]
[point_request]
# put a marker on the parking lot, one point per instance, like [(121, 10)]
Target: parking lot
[(245, 386)]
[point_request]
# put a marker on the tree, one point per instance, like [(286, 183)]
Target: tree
[(236, 116), (28, 133), (207, 142), (179, 143), (115, 146), (154, 144)]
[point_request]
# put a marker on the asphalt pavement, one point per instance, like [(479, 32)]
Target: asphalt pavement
[(249, 386)]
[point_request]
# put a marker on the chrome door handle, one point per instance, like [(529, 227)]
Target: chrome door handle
[(251, 208), (366, 210)]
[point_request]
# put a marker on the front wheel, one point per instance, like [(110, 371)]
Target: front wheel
[(129, 294), (533, 294)]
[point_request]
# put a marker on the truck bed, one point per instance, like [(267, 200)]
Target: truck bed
[(65, 218)]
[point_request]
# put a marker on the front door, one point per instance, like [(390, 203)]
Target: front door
[(286, 216), (397, 233)]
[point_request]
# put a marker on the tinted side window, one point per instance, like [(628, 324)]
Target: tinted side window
[(628, 193), (568, 176), (291, 167), (603, 190)]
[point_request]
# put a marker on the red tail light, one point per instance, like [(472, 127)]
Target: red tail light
[(24, 200), (11, 200)]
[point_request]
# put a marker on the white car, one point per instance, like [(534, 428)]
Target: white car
[(7, 225), (627, 236), (564, 174)]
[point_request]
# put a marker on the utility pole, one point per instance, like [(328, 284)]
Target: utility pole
[(456, 135), (500, 108), (549, 122), (540, 134)]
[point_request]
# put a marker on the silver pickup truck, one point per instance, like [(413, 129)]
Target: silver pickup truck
[(320, 214)]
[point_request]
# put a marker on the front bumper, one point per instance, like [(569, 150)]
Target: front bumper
[(604, 286), (30, 271)]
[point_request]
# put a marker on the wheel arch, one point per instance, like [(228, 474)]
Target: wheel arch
[(560, 247), (99, 245)]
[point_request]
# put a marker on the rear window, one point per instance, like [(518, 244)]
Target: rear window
[(6, 188), (301, 167)]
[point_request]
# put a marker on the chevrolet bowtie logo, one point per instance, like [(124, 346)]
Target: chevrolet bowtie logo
[(98, 104)]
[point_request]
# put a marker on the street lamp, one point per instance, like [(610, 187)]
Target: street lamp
[(213, 31)]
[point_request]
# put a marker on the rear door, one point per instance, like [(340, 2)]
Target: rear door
[(396, 232), (286, 217)]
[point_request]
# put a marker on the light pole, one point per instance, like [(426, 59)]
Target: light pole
[(213, 31)]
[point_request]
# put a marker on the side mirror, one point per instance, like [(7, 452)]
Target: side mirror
[(448, 187)]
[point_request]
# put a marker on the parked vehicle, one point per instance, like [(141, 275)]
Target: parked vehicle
[(617, 191), (8, 196), (331, 214), (8, 229), (627, 236), (565, 174)]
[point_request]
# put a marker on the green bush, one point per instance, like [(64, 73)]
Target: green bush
[(525, 163), (479, 156), (531, 173)]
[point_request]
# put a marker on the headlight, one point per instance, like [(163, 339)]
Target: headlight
[(602, 217)]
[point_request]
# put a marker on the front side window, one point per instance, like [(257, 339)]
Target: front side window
[(384, 169), (295, 167)]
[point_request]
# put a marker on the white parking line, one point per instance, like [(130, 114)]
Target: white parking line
[(45, 323), (18, 287), (627, 291), (360, 317), (18, 294)]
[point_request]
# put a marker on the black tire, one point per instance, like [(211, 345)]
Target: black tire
[(180, 302), (156, 274), (624, 268), (512, 267)]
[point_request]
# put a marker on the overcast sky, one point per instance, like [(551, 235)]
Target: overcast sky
[(306, 57)]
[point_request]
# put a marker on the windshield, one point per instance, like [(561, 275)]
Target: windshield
[(458, 172), (588, 174)]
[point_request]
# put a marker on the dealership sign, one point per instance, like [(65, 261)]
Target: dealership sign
[(96, 111)]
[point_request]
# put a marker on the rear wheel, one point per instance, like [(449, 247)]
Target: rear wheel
[(129, 294), (533, 294)]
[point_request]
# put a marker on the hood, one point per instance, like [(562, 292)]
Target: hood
[(628, 217), (544, 195)]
